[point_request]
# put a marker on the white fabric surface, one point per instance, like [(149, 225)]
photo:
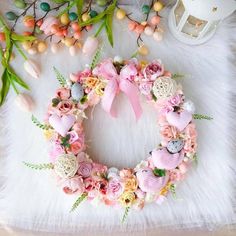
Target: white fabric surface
[(31, 200)]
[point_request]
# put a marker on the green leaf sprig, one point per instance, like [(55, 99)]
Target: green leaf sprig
[(80, 199), (9, 77), (39, 124), (41, 166), (60, 77), (201, 117), (125, 216)]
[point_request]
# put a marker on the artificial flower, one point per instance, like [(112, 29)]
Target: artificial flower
[(66, 166), (164, 87), (85, 169), (168, 132), (127, 198), (65, 107), (63, 93), (91, 82), (153, 70), (73, 185), (115, 188)]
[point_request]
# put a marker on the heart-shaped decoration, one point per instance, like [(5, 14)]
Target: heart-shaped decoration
[(162, 159), (150, 183), (62, 124), (179, 120)]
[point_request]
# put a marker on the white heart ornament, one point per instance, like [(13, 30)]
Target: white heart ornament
[(62, 124), (179, 120)]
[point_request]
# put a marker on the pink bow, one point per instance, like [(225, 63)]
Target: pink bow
[(116, 83)]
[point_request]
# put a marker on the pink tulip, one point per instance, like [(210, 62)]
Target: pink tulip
[(90, 45)]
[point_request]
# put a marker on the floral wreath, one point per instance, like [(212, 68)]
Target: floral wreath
[(153, 178)]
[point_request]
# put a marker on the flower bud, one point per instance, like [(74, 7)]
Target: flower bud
[(32, 68), (24, 102)]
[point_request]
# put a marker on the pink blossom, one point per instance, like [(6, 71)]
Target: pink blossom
[(175, 100), (98, 171), (89, 184), (73, 185), (65, 107), (56, 150), (153, 70), (190, 146), (78, 77), (76, 147), (63, 93), (101, 186), (85, 169), (78, 128), (175, 175), (190, 131), (145, 88), (115, 188), (168, 132)]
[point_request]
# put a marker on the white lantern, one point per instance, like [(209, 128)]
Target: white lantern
[(195, 21)]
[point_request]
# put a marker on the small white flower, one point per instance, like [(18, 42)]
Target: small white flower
[(189, 106), (118, 59), (66, 166), (164, 87)]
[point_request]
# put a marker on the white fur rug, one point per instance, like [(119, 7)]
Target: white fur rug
[(30, 199)]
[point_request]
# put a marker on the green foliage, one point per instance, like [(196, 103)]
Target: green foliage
[(177, 76), (81, 198), (39, 124), (41, 166), (60, 77), (96, 58), (159, 172), (173, 190), (108, 21), (125, 214), (201, 117), (65, 141)]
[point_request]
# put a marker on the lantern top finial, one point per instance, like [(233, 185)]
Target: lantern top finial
[(210, 10)]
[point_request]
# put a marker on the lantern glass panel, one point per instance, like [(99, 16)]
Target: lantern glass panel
[(193, 26), (179, 11)]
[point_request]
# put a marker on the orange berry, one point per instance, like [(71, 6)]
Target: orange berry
[(2, 37), (155, 20), (89, 27), (75, 26), (132, 25), (59, 33), (54, 28), (27, 33), (65, 32), (139, 29), (78, 35), (29, 21), (39, 23)]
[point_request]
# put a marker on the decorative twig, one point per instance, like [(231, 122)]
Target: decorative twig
[(125, 215), (59, 77), (201, 117), (39, 124)]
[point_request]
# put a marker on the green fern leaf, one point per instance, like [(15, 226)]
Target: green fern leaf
[(41, 166), (60, 77), (173, 190), (177, 76), (81, 198), (96, 57), (39, 124), (125, 214), (201, 117)]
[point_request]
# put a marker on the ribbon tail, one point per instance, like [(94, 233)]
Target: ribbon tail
[(109, 96), (131, 92)]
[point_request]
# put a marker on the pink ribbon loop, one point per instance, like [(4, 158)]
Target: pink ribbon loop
[(118, 83)]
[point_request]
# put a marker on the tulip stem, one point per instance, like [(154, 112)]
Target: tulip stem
[(100, 29), (14, 87)]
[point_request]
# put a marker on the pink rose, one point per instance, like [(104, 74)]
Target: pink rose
[(145, 88), (101, 186), (153, 70), (85, 169), (73, 185), (169, 132), (78, 127), (76, 147), (176, 100), (78, 77), (115, 188), (126, 173), (65, 107), (98, 171), (56, 150), (89, 184), (63, 93)]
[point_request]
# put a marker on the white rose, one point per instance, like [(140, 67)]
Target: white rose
[(66, 166), (164, 87)]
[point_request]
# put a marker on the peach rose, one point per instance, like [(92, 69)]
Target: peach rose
[(65, 107), (63, 93), (190, 131), (73, 185), (168, 132), (76, 147)]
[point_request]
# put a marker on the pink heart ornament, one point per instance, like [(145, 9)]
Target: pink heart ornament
[(62, 124), (150, 183), (179, 120), (162, 159)]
